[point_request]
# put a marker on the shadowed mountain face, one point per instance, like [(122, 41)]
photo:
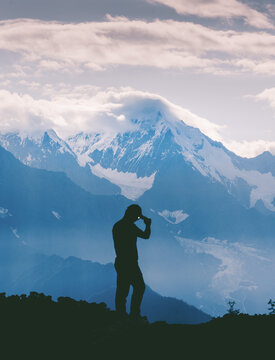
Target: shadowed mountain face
[(47, 211), (158, 308), (212, 211)]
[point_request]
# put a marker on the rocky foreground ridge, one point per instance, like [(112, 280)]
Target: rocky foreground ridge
[(36, 327)]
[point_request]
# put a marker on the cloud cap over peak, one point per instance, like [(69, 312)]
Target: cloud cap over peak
[(111, 111)]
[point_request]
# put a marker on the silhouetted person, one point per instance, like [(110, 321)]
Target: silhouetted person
[(125, 234)]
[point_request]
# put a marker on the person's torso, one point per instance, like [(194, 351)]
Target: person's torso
[(125, 241)]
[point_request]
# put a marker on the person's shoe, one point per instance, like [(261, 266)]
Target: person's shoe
[(139, 319), (122, 315)]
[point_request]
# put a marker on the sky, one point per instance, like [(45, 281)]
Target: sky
[(65, 61)]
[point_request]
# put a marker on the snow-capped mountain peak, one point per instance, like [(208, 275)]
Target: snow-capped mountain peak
[(158, 135), (51, 137), (132, 156)]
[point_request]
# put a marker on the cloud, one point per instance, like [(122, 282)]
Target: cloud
[(72, 110), (255, 147), (219, 9), (137, 104), (53, 46), (99, 44), (266, 95), (64, 113), (265, 67), (53, 65), (250, 148)]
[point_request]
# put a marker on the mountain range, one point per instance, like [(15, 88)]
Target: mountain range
[(213, 212)]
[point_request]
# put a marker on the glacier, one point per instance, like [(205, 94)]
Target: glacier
[(241, 270), (130, 184)]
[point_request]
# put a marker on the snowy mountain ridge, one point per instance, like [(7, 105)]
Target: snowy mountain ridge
[(141, 151), (131, 159), (23, 145)]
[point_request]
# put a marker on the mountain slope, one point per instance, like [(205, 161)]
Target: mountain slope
[(49, 212), (50, 152), (169, 166), (158, 135), (158, 308), (264, 163), (129, 160)]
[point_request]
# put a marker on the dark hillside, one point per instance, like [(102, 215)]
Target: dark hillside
[(37, 327)]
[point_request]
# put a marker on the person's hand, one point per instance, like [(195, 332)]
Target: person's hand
[(146, 220)]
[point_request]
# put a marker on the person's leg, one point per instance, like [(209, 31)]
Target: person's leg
[(138, 291), (122, 290)]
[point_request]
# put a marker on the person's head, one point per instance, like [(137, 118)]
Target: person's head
[(133, 213)]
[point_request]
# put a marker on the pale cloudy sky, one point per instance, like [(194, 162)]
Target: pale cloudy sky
[(61, 59)]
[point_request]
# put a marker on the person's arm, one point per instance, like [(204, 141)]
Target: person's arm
[(147, 232)]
